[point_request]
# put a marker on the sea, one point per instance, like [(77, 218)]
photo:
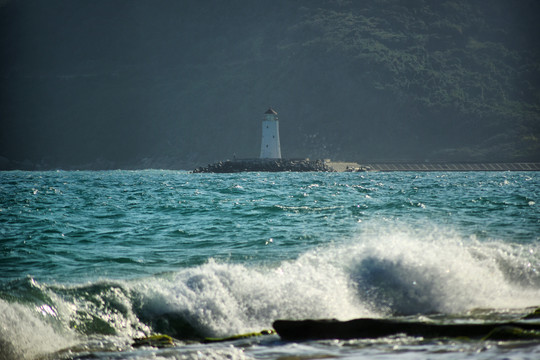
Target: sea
[(93, 261)]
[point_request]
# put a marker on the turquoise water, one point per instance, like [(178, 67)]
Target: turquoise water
[(92, 260)]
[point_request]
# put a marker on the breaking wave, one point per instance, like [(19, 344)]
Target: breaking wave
[(398, 271)]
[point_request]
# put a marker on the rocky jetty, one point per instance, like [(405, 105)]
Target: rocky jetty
[(265, 165)]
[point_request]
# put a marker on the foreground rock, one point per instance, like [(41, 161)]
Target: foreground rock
[(265, 165), (293, 330)]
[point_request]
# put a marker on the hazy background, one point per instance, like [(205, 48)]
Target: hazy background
[(176, 84)]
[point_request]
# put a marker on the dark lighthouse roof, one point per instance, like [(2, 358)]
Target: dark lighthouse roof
[(271, 111)]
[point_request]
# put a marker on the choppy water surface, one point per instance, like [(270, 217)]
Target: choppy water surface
[(92, 260)]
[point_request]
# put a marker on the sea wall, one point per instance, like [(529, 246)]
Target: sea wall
[(464, 166)]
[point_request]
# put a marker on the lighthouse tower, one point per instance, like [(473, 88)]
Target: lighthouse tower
[(270, 148)]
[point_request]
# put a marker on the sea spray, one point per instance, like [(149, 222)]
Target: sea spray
[(25, 332), (404, 270)]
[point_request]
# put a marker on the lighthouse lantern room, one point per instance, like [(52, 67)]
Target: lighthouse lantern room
[(270, 147)]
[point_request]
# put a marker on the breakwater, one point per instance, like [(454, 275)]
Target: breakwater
[(461, 166), (265, 165), (305, 165)]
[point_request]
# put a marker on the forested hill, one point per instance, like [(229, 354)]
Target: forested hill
[(177, 84)]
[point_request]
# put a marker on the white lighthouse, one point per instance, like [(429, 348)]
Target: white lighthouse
[(270, 148)]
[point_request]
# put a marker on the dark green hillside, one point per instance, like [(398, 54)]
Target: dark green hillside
[(182, 83)]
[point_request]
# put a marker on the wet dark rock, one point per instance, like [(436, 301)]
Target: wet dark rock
[(294, 330), (265, 165), (534, 315)]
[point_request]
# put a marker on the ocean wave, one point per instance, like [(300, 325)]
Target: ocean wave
[(383, 271)]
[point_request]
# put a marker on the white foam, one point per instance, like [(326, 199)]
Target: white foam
[(203, 352), (222, 299), (436, 270), (25, 335)]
